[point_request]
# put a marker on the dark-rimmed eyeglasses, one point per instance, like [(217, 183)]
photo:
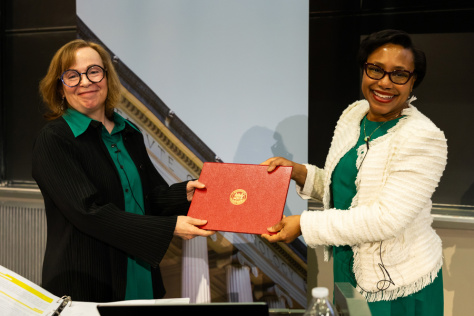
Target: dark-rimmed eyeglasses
[(72, 78), (397, 76)]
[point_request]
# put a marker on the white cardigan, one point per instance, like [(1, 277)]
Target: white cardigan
[(391, 209)]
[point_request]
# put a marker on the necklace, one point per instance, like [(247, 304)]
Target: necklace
[(367, 138)]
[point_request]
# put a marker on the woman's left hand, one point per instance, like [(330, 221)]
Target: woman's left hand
[(287, 230), (188, 228), (191, 186)]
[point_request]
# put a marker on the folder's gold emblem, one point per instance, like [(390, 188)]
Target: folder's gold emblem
[(238, 197)]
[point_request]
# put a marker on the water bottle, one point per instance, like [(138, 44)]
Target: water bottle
[(320, 304)]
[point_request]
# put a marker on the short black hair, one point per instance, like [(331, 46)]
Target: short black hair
[(377, 39)]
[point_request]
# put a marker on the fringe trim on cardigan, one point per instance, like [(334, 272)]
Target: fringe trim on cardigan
[(327, 253), (403, 290)]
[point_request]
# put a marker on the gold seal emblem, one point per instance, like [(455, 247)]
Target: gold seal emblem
[(238, 197)]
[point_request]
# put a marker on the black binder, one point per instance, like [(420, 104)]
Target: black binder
[(66, 300), (211, 309)]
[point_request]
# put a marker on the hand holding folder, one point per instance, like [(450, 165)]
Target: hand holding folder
[(287, 230)]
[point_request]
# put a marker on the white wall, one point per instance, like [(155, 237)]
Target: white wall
[(234, 71)]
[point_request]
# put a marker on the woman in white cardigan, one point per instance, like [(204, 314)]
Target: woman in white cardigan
[(385, 162)]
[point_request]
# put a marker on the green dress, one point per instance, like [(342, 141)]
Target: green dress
[(428, 301)]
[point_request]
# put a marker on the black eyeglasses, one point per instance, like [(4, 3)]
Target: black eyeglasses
[(72, 78), (397, 76)]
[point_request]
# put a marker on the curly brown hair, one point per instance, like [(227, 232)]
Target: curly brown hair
[(51, 86)]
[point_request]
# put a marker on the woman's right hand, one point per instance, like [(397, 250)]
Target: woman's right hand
[(187, 228), (287, 230), (298, 173)]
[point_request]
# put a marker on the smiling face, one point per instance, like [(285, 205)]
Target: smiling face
[(87, 97), (387, 99)]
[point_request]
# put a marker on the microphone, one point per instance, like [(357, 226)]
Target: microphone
[(118, 150)]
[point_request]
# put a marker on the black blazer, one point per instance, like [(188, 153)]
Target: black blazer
[(89, 233)]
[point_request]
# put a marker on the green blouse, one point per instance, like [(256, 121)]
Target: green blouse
[(428, 301), (139, 281)]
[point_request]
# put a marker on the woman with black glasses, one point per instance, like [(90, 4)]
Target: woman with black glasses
[(110, 214), (385, 162)]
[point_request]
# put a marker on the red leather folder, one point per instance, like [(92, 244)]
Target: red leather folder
[(240, 198)]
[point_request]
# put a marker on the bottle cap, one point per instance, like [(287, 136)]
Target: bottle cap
[(320, 292)]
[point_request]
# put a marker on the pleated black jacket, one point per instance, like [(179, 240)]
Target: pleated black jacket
[(89, 232)]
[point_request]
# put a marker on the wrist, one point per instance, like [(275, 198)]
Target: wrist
[(299, 174)]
